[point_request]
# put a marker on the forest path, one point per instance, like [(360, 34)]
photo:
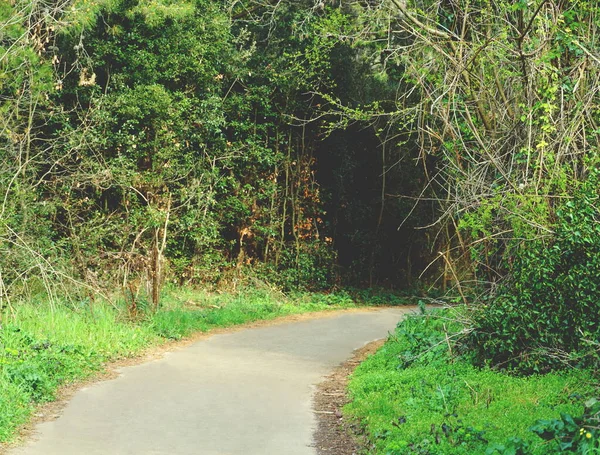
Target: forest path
[(247, 392)]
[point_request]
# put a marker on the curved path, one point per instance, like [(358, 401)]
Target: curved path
[(243, 393)]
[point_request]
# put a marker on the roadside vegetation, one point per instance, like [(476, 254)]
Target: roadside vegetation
[(418, 396), (516, 373)]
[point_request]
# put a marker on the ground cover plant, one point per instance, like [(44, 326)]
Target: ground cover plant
[(416, 396), (44, 346)]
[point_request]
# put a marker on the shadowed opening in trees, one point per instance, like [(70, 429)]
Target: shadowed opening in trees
[(373, 219)]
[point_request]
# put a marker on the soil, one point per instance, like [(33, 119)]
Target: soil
[(335, 435)]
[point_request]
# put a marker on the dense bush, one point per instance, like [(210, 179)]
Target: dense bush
[(548, 315), (153, 141)]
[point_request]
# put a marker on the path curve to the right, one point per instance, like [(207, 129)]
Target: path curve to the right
[(243, 393)]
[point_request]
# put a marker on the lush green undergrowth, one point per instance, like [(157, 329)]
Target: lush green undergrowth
[(415, 397), (43, 346)]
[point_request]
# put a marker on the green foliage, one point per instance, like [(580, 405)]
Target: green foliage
[(150, 80), (573, 435), (512, 446), (383, 297), (563, 435), (188, 135), (547, 315), (311, 268), (335, 299), (43, 348), (186, 312), (194, 129), (15, 408), (414, 397)]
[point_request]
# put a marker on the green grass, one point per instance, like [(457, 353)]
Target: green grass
[(412, 397), (44, 346), (186, 312)]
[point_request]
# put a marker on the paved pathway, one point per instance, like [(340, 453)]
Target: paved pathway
[(244, 393)]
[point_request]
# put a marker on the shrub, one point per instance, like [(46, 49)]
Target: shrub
[(547, 317)]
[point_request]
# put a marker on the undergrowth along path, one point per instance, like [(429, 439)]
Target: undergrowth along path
[(247, 392)]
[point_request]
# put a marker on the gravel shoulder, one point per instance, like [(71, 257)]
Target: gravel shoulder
[(334, 434)]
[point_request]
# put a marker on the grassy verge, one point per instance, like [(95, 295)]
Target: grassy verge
[(44, 346), (413, 397)]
